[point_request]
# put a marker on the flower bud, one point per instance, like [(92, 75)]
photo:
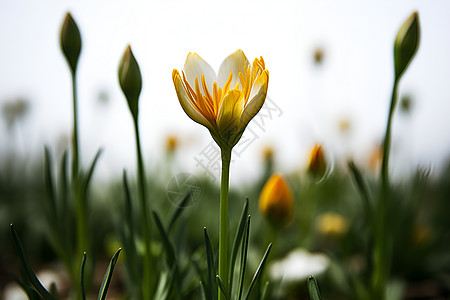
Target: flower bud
[(70, 41), (130, 80), (406, 44), (276, 202), (317, 165)]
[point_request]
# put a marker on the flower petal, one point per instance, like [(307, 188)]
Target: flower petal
[(186, 103), (195, 66), (230, 112), (257, 98), (234, 63)]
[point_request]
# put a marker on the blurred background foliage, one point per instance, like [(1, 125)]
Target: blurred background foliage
[(328, 220)]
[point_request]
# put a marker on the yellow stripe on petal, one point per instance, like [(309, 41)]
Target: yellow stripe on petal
[(256, 102), (186, 103), (228, 118)]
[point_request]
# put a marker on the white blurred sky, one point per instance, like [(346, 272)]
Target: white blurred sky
[(354, 82)]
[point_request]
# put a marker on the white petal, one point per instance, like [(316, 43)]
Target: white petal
[(186, 104), (195, 66), (235, 63), (258, 96)]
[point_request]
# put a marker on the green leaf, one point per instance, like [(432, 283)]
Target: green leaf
[(223, 289), (88, 177), (211, 287), (244, 251), (108, 275), (363, 190), (313, 288), (28, 271), (165, 284), (170, 252), (265, 291), (179, 209), (83, 263), (259, 271), (237, 242), (129, 239), (406, 44), (49, 184)]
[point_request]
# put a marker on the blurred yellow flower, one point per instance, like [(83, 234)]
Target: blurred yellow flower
[(267, 154), (276, 202), (376, 159), (317, 164), (332, 224), (224, 102), (171, 143)]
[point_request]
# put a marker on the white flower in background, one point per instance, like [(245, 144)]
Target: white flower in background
[(297, 266)]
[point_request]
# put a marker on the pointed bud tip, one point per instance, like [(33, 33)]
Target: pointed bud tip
[(130, 79), (406, 43), (70, 41)]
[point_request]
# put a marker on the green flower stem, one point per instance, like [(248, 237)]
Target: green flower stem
[(146, 281), (75, 162), (387, 139), (80, 205), (381, 254), (223, 222)]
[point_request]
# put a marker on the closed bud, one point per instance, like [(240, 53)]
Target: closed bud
[(406, 44), (70, 40), (276, 202), (317, 165), (130, 80)]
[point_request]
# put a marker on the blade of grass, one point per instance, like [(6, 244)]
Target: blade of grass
[(129, 240), (212, 289), (49, 184), (88, 177), (108, 275), (244, 251), (179, 209), (83, 263), (313, 288), (259, 271), (236, 243), (28, 271), (170, 252), (363, 190), (265, 291), (222, 287)]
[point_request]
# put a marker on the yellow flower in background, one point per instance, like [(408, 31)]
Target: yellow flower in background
[(267, 153), (332, 224), (171, 143), (224, 102), (317, 164), (276, 202)]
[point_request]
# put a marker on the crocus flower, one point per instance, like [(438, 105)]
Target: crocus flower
[(224, 102), (276, 202)]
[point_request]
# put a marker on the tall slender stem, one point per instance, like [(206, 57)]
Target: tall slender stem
[(146, 281), (381, 255), (223, 222), (75, 161), (387, 138), (80, 207)]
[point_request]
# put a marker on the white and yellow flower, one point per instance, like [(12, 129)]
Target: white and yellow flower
[(224, 102)]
